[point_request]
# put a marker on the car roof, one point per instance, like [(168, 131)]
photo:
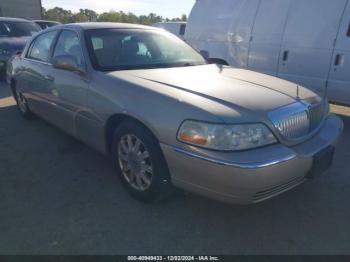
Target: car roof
[(11, 19), (46, 21), (103, 25), (173, 22)]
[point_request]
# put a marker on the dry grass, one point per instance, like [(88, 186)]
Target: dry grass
[(340, 110), (7, 101)]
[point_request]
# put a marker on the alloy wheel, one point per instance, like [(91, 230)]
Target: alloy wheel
[(135, 162)]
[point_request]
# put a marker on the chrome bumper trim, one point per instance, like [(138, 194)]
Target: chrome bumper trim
[(256, 165)]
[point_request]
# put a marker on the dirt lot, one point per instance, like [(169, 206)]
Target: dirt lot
[(58, 196)]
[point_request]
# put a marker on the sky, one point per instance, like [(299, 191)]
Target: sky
[(165, 8)]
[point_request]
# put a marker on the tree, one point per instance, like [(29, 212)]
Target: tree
[(58, 14), (87, 15), (111, 16)]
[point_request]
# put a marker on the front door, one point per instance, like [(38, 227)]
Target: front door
[(308, 42), (339, 76)]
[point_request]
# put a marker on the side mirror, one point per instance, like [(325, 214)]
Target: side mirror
[(217, 61), (205, 54), (66, 62), (210, 60)]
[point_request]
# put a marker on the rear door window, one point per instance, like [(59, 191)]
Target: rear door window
[(40, 48)]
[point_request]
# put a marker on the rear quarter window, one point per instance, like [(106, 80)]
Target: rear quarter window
[(97, 43)]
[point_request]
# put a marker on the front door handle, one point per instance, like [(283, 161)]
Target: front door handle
[(339, 59), (285, 56)]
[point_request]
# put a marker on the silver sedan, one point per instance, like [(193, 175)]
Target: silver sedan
[(169, 118)]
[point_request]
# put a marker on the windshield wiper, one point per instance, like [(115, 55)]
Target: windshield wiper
[(189, 64)]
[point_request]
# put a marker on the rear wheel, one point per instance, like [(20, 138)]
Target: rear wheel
[(140, 162), (22, 105), (2, 76)]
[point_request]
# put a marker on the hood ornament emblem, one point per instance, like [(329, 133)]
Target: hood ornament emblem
[(298, 96)]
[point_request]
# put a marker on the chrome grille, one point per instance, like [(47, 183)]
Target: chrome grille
[(316, 115), (297, 120), (294, 126)]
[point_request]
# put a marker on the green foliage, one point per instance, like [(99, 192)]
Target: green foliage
[(58, 14), (87, 15)]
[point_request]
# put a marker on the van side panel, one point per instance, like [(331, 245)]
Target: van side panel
[(223, 29), (308, 42), (339, 76), (240, 33), (267, 36)]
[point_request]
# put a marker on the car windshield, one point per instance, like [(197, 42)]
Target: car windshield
[(17, 29), (125, 49)]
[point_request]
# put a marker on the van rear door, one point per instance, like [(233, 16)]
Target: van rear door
[(267, 36), (223, 28), (339, 76), (308, 42)]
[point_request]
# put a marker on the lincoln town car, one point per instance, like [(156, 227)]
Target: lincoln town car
[(170, 119)]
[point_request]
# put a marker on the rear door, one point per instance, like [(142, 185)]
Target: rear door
[(223, 28), (33, 79), (67, 90), (339, 76), (308, 42), (240, 31), (267, 36)]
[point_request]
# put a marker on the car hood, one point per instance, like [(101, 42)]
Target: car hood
[(13, 43), (226, 85)]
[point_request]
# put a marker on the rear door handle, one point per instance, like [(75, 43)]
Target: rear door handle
[(49, 78)]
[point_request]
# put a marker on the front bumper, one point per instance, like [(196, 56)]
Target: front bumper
[(250, 176)]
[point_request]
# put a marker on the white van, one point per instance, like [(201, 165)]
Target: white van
[(305, 41), (176, 28)]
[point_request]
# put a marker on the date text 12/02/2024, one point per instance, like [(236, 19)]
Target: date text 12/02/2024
[(173, 258)]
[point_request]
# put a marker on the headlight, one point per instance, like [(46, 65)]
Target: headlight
[(225, 137)]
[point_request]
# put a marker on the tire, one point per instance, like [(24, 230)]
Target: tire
[(140, 163), (22, 105)]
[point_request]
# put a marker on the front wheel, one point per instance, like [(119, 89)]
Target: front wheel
[(140, 162)]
